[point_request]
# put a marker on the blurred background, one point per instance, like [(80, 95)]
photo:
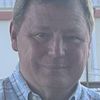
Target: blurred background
[(9, 58)]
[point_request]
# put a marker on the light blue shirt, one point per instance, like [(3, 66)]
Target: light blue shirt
[(15, 88)]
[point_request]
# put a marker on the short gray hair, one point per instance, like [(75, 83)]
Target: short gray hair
[(21, 6)]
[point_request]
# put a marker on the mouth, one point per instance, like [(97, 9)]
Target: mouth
[(54, 66)]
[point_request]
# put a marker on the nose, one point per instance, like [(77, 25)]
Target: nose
[(56, 47)]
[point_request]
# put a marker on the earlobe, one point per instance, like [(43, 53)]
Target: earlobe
[(13, 36)]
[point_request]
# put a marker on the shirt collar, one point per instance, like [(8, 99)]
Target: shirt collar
[(33, 96), (75, 96), (77, 93)]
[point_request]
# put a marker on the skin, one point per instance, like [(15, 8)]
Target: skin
[(53, 47)]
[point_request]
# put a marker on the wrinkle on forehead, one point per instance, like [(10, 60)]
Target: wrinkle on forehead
[(64, 3), (52, 14), (45, 10)]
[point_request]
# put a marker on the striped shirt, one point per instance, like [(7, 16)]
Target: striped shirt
[(15, 88)]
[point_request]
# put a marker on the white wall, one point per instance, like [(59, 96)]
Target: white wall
[(8, 58)]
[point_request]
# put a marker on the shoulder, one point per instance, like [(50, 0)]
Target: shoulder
[(90, 94), (6, 89), (2, 88), (5, 84)]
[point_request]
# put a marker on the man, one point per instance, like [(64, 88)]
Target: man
[(52, 38)]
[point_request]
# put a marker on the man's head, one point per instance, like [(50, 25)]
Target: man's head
[(53, 43)]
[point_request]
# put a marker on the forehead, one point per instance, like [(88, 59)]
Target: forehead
[(54, 16)]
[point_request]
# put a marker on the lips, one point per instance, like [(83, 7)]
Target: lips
[(53, 63), (54, 66)]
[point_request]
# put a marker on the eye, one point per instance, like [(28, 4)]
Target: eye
[(42, 36), (72, 39)]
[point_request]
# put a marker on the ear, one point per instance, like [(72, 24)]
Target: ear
[(13, 35)]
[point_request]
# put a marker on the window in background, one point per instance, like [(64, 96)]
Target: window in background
[(7, 3), (96, 3)]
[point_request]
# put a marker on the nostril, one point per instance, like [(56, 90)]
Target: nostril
[(56, 52), (56, 47), (51, 52)]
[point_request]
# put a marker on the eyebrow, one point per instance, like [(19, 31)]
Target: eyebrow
[(42, 27), (73, 30)]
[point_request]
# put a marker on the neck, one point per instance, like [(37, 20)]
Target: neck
[(53, 93)]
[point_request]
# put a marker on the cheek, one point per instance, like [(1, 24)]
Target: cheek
[(37, 50), (77, 60), (78, 57), (25, 48), (25, 51), (30, 50)]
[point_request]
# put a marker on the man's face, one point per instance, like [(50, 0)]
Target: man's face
[(53, 45)]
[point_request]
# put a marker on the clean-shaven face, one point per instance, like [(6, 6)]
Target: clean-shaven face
[(53, 45)]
